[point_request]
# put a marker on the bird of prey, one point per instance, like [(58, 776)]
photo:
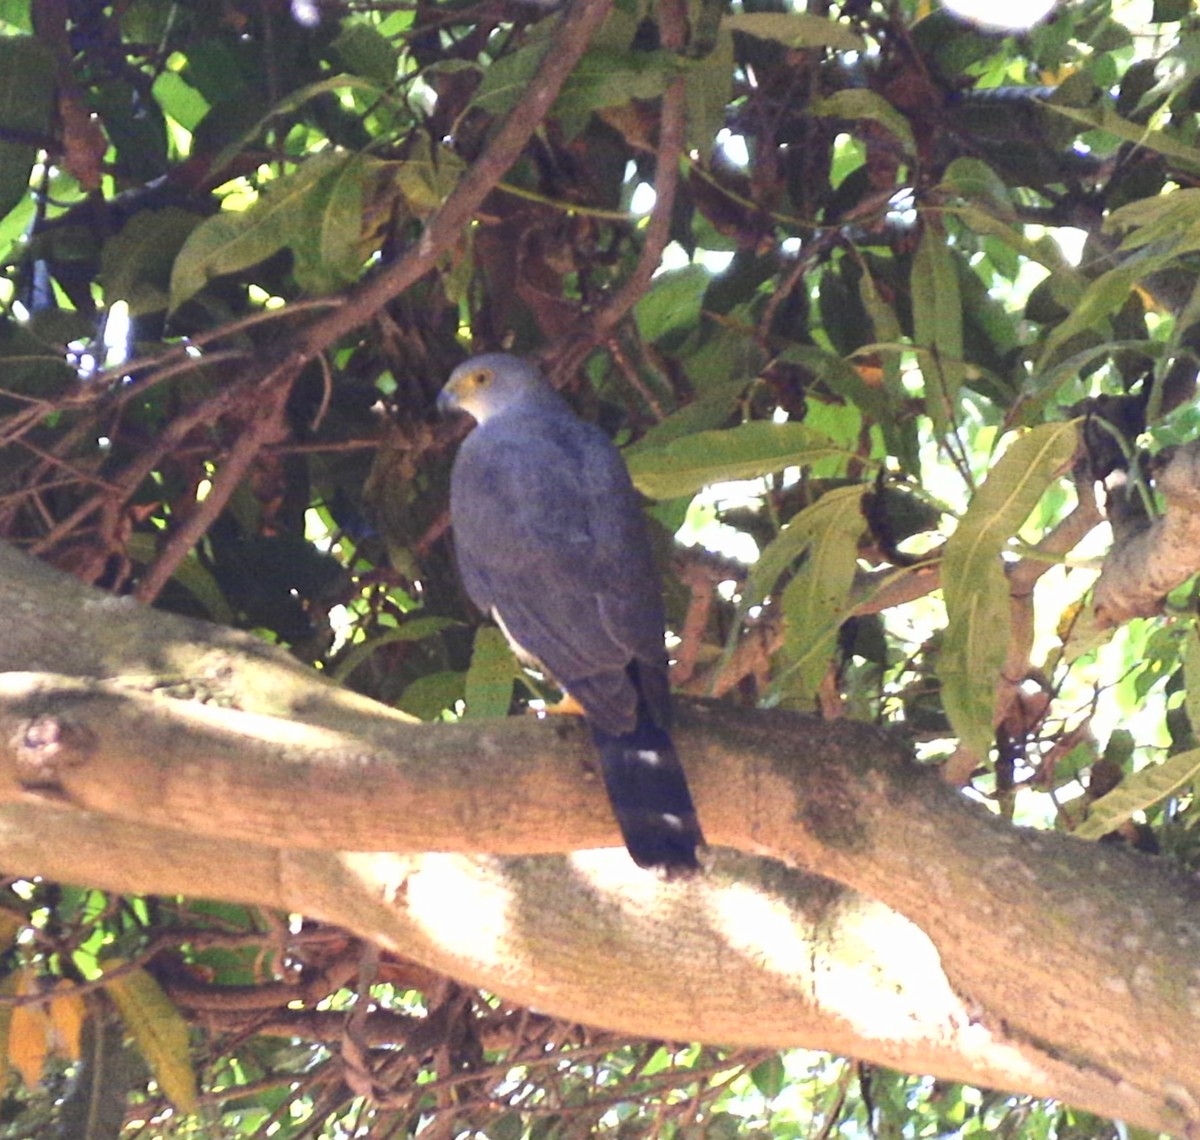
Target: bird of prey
[(551, 541)]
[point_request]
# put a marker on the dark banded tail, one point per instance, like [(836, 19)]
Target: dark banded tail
[(650, 798)]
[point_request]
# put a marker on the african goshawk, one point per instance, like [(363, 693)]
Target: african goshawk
[(551, 541)]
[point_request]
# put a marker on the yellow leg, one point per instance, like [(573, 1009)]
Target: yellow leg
[(568, 706)]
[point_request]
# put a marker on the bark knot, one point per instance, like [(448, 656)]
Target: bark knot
[(46, 747)]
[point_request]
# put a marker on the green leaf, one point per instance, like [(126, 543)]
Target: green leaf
[(605, 77), (490, 677), (1138, 792), (58, 327), (859, 103), (609, 78), (413, 629), (748, 451), (1045, 251), (816, 601), (795, 29), (975, 180), (973, 654), (180, 100), (1104, 118), (845, 379), (673, 302), (974, 584), (29, 365), (160, 1032), (708, 412), (329, 247), (720, 368), (1173, 218), (937, 326), (134, 125), (426, 176), (293, 102), (510, 1126), (769, 1076), (708, 89), (429, 696), (136, 262), (363, 51), (27, 70), (1191, 676), (191, 574), (507, 78), (235, 240), (775, 558), (1102, 297), (17, 14), (1047, 382), (221, 245)]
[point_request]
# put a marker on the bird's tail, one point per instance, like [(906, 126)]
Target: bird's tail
[(650, 798)]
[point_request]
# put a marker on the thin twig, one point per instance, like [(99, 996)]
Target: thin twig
[(266, 426), (131, 478), (574, 347), (445, 225)]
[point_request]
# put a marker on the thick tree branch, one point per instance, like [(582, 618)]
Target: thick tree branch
[(752, 953), (852, 811), (937, 938)]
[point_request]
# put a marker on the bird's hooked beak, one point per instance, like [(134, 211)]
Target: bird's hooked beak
[(447, 400)]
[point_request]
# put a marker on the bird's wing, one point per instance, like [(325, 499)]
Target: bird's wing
[(550, 537)]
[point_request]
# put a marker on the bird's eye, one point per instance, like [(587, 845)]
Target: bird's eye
[(481, 378)]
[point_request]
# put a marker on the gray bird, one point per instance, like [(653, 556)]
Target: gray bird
[(551, 541)]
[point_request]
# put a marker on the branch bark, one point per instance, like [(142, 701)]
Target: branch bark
[(922, 932), (1141, 571)]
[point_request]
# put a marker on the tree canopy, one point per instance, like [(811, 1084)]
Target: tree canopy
[(895, 317)]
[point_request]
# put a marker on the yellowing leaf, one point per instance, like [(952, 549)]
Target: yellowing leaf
[(68, 1011), (160, 1032), (8, 987), (28, 1032), (12, 922)]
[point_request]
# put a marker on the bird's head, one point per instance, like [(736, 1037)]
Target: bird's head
[(485, 385)]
